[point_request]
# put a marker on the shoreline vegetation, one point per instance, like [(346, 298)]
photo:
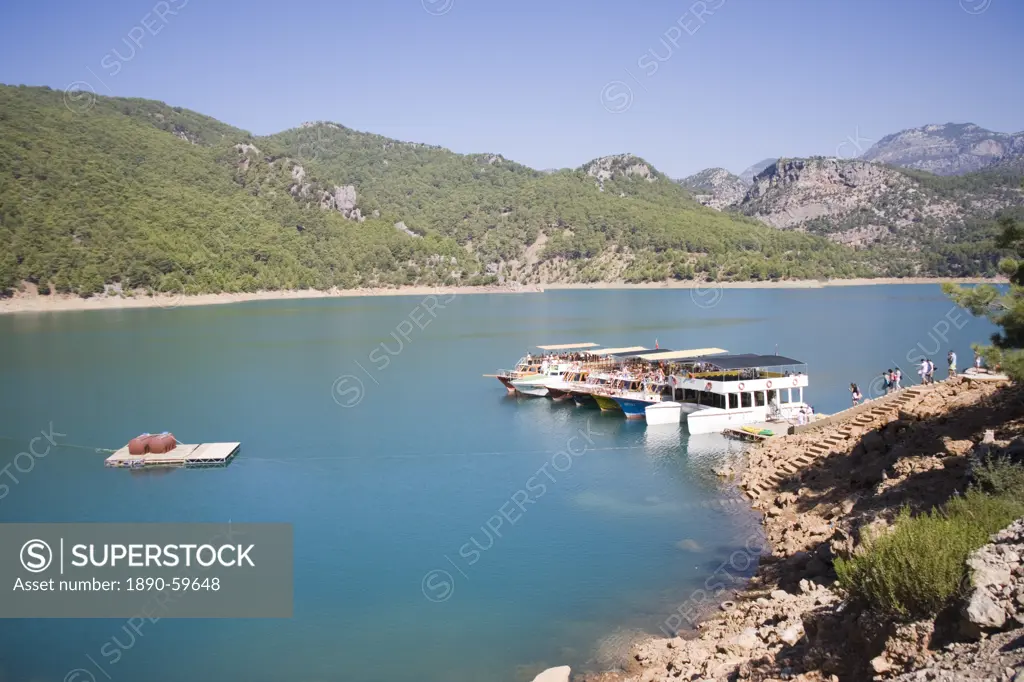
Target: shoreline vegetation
[(30, 301)]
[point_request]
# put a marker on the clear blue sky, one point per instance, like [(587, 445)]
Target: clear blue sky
[(527, 79)]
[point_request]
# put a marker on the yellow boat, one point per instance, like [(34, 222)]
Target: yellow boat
[(605, 403)]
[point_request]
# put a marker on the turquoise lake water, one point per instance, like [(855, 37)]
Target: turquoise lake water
[(391, 454)]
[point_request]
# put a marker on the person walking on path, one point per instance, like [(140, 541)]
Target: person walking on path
[(951, 359), (855, 393), (897, 377), (931, 372), (923, 371)]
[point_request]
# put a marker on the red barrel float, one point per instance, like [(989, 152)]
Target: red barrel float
[(140, 444), (165, 442)]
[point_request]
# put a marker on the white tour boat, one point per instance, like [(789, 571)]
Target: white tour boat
[(731, 391)]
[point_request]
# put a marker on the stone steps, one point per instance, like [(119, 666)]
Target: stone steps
[(890, 408)]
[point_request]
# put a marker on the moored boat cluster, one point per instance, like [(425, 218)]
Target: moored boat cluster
[(713, 389)]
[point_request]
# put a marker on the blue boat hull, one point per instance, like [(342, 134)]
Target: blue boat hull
[(633, 409)]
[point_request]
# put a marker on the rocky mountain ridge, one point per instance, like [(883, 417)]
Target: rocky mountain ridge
[(859, 203), (946, 149), (820, 195)]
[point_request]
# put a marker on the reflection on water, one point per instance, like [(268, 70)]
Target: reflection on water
[(663, 440)]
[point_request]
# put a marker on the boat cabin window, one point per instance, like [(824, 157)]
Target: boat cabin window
[(734, 401), (745, 400), (712, 399), (759, 398)]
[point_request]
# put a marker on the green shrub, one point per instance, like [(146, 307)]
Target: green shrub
[(999, 476), (914, 570)]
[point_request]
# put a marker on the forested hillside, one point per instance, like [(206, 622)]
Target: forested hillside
[(132, 195), (616, 217), (143, 196)]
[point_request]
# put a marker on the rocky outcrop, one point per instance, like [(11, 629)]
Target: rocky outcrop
[(995, 659), (342, 200), (401, 227), (619, 167), (996, 598), (949, 149), (246, 148), (326, 124), (716, 188)]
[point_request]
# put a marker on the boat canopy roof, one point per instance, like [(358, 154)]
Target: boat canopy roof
[(680, 354), (618, 351), (748, 361), (569, 346), (626, 353)]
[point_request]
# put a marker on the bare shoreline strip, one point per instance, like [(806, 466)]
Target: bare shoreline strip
[(34, 303)]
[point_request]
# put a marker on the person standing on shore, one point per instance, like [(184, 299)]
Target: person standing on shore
[(951, 358), (923, 371), (931, 372), (977, 360), (855, 393), (897, 377)]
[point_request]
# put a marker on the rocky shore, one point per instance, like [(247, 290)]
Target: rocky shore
[(817, 490)]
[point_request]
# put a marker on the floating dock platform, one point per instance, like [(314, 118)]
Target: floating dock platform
[(202, 455), (777, 429)]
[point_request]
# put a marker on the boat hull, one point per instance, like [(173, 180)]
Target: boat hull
[(633, 409), (665, 412), (716, 420), (607, 404), (507, 383), (532, 390)]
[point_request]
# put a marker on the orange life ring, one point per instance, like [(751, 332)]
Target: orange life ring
[(795, 382), (769, 384), (707, 386), (741, 387)]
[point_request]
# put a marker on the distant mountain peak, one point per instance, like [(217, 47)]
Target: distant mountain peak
[(946, 148), (748, 175), (716, 187)]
